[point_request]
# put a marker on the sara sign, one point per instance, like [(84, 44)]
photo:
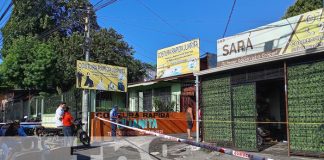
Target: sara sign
[(179, 59), (101, 77), (283, 37), (159, 122)]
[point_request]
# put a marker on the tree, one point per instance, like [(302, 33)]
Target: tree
[(29, 63), (303, 6), (45, 17), (27, 18), (70, 15), (68, 50), (107, 47), (52, 33)]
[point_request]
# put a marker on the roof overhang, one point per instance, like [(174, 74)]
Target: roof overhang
[(167, 79), (142, 84), (266, 60)]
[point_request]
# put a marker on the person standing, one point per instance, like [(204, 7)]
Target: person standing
[(59, 115), (113, 117), (189, 118), (67, 126)]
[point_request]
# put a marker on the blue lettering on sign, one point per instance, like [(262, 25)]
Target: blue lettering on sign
[(141, 123), (154, 124), (135, 125)]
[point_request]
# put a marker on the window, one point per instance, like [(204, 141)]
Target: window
[(164, 94), (268, 46), (147, 100)]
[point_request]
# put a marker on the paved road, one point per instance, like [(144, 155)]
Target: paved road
[(128, 148), (153, 148)]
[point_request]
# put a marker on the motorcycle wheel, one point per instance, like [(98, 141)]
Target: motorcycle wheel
[(84, 138)]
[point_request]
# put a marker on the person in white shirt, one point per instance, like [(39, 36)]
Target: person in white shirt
[(59, 114)]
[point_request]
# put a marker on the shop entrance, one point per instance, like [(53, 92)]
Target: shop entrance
[(271, 112)]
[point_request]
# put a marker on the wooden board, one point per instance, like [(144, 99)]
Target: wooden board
[(160, 122)]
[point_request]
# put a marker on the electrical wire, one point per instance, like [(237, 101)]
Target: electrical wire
[(105, 4), (229, 18), (163, 20), (147, 28), (97, 3), (144, 27), (166, 22)]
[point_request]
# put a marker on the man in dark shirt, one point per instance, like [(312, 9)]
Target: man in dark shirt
[(113, 117)]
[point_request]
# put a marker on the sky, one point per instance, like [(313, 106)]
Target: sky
[(150, 25)]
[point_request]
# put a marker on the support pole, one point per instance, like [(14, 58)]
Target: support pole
[(42, 108), (36, 108), (286, 105), (197, 108), (85, 93)]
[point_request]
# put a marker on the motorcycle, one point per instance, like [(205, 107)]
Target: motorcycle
[(80, 133), (263, 136)]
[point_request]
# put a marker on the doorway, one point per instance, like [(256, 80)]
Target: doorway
[(271, 113)]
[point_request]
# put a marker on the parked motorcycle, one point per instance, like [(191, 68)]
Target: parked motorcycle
[(263, 136), (80, 133)]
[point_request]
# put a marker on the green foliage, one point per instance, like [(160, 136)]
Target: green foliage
[(108, 47), (163, 106), (216, 101), (29, 63), (303, 6), (27, 18), (244, 112), (305, 107), (43, 40), (67, 51)]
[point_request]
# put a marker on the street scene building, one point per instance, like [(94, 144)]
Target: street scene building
[(80, 91)]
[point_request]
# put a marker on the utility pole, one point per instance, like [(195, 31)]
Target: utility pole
[(85, 94)]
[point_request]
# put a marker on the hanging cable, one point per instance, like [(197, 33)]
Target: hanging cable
[(229, 18)]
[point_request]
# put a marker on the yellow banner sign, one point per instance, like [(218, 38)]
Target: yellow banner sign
[(179, 59), (101, 77), (308, 33)]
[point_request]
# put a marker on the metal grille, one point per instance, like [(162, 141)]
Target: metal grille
[(257, 75), (147, 100)]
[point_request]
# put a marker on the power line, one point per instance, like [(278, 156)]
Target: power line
[(53, 30), (229, 18), (163, 20), (152, 29), (166, 22), (144, 27), (105, 4), (98, 3)]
